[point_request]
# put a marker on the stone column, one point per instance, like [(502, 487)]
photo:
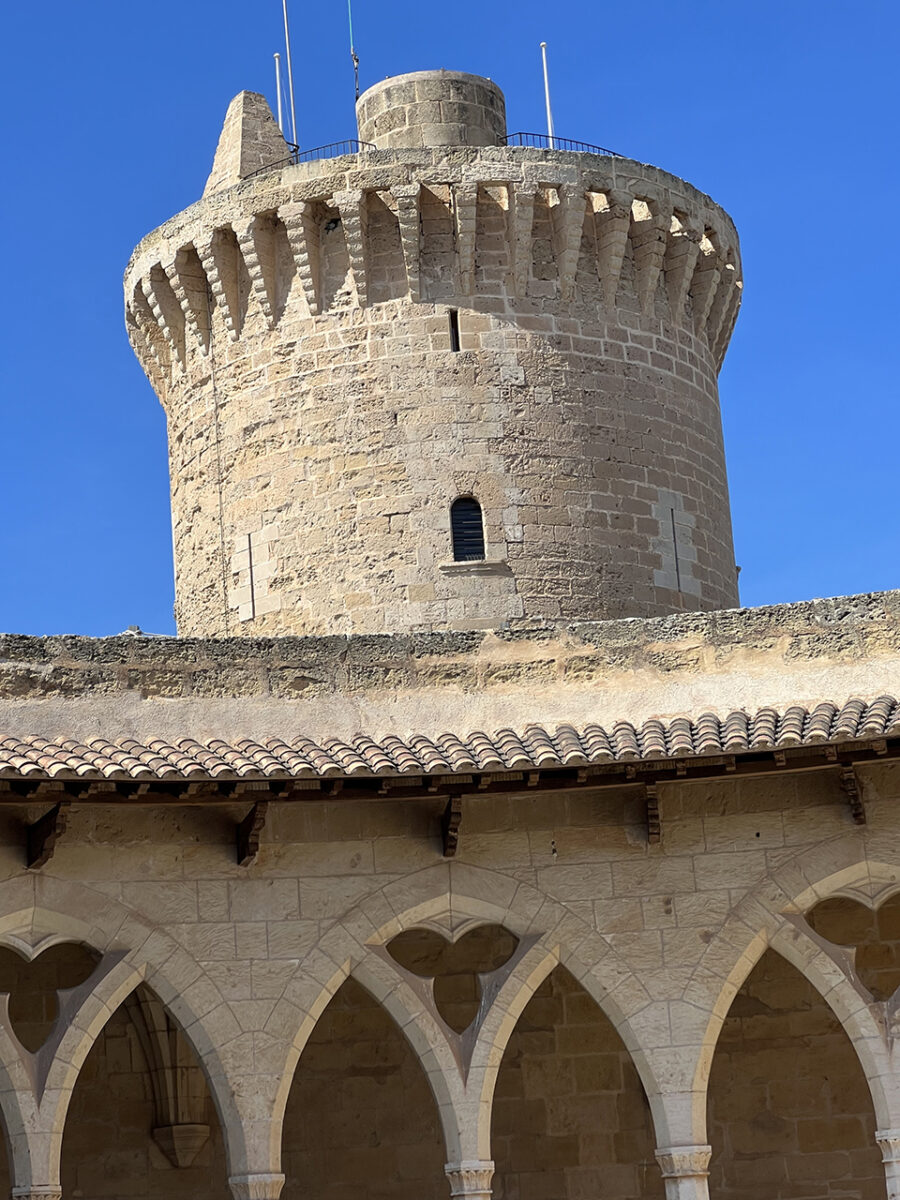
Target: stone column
[(470, 1180), (889, 1141), (684, 1168), (256, 1187)]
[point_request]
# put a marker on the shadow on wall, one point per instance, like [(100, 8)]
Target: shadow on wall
[(571, 1119), (873, 936), (361, 1122), (790, 1115)]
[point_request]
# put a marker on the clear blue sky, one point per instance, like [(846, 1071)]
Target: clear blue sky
[(785, 112)]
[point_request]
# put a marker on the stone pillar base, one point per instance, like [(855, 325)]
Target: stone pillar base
[(50, 1191), (256, 1187), (889, 1141), (471, 1179), (684, 1169)]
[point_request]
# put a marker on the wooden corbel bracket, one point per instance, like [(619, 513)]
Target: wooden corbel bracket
[(450, 823), (654, 823), (43, 834), (853, 791), (248, 833)]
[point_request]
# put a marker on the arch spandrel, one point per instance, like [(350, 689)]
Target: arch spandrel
[(771, 916), (452, 899)]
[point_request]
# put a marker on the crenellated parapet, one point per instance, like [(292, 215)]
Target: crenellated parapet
[(347, 348)]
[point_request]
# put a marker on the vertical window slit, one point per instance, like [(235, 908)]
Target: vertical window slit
[(454, 329)]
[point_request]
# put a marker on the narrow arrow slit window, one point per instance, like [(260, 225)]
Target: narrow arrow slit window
[(467, 529)]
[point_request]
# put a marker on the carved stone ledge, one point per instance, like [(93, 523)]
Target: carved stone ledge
[(181, 1143), (685, 1171), (476, 566), (37, 1192), (256, 1187), (678, 1162), (471, 1179)]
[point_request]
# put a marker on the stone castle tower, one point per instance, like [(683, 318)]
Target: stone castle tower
[(445, 382)]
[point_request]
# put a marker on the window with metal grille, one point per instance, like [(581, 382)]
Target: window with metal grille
[(467, 529)]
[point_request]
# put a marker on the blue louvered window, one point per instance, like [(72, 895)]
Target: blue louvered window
[(467, 529)]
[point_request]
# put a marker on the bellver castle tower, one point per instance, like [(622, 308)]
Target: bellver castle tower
[(445, 382)]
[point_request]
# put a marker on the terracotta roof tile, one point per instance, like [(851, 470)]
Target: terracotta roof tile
[(597, 744), (504, 750), (293, 760), (458, 758), (568, 746)]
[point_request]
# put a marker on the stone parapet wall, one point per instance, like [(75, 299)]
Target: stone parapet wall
[(575, 673), (320, 425)]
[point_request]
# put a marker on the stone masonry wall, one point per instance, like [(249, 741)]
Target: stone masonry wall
[(553, 672), (361, 1120), (790, 1114), (570, 1116), (108, 1152), (801, 859), (789, 1106), (248, 957)]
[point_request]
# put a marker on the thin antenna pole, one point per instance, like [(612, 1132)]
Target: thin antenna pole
[(353, 53), (287, 43), (278, 90), (547, 96)]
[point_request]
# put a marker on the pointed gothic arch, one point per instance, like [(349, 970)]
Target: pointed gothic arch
[(361, 1117), (788, 1099), (570, 1114), (141, 1108)]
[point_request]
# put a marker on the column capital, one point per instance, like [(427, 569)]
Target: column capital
[(889, 1141), (683, 1162), (37, 1191), (471, 1178), (256, 1187)]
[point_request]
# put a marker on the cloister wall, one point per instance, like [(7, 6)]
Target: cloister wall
[(660, 937), (665, 926)]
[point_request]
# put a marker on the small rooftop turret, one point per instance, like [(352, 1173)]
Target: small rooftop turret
[(432, 108)]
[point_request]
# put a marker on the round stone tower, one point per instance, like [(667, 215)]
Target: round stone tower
[(443, 382)]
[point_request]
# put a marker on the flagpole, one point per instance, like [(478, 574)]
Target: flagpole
[(547, 96), (353, 53), (287, 43), (278, 90)]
